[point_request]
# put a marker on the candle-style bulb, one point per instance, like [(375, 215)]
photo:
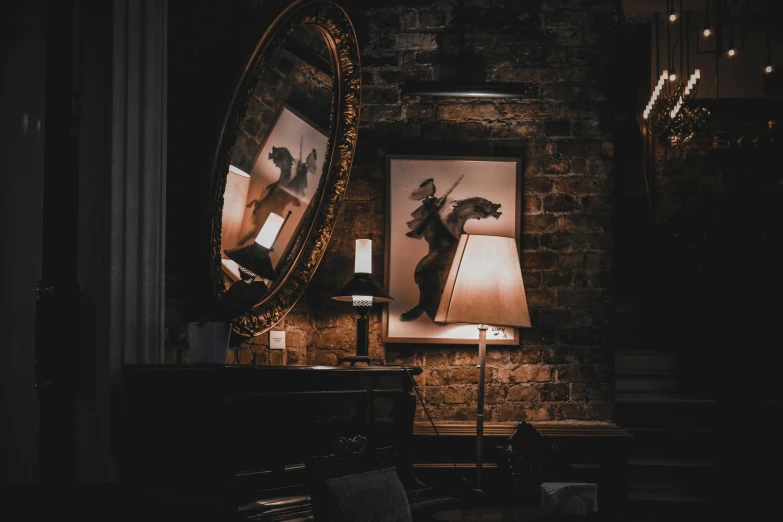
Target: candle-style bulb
[(266, 238), (363, 259)]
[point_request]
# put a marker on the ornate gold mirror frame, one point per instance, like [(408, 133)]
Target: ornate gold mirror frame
[(338, 32)]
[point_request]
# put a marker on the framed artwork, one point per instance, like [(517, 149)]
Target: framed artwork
[(284, 178), (431, 201)]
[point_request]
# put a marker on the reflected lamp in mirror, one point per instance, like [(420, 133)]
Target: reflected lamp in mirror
[(237, 186), (253, 259), (484, 287), (362, 290), (293, 152)]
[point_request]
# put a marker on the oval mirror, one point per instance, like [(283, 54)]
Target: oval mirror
[(283, 163)]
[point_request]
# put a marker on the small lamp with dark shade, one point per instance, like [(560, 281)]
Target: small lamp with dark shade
[(254, 258), (484, 287), (362, 290)]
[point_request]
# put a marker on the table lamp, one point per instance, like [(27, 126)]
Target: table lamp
[(484, 287), (254, 258), (362, 290)]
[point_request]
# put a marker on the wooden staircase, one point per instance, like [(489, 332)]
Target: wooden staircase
[(672, 465)]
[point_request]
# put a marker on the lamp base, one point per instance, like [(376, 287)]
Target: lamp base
[(353, 359)]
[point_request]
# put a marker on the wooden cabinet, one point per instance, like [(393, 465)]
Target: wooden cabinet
[(233, 432)]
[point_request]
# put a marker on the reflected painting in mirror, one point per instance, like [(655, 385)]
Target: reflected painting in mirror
[(284, 159)]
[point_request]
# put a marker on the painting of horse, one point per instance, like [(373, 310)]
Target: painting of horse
[(285, 176), (431, 202), (288, 190), (442, 237)]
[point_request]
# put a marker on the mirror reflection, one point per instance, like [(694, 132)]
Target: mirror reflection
[(276, 173)]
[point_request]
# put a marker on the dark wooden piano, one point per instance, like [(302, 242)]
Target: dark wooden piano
[(221, 439)]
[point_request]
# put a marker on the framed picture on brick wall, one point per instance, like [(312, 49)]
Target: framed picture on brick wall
[(431, 201)]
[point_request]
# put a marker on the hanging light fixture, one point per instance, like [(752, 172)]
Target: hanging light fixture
[(671, 113), (732, 50), (768, 68), (707, 30)]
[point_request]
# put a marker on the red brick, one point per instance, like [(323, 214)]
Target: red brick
[(526, 373), (467, 111), (522, 392), (538, 184), (539, 260), (541, 298)]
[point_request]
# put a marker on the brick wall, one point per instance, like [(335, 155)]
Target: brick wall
[(287, 80), (563, 368)]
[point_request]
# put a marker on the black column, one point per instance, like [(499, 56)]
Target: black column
[(362, 332), (58, 292)]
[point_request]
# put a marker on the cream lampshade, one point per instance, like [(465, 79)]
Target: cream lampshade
[(484, 287), (237, 185)]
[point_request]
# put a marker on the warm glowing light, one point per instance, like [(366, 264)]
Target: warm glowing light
[(707, 32), (484, 284), (691, 84), (768, 69), (672, 77), (732, 52), (672, 16), (655, 93), (363, 259), (266, 238)]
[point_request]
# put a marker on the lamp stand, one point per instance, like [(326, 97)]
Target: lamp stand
[(362, 332), (480, 417), (362, 340)]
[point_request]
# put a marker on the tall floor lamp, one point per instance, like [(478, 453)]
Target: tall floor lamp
[(484, 287)]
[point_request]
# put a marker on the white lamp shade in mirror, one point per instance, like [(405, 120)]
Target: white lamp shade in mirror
[(484, 285), (266, 238), (237, 184)]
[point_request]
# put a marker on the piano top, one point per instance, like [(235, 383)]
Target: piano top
[(293, 378), (374, 369)]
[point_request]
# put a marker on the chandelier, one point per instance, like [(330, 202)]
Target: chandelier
[(672, 114)]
